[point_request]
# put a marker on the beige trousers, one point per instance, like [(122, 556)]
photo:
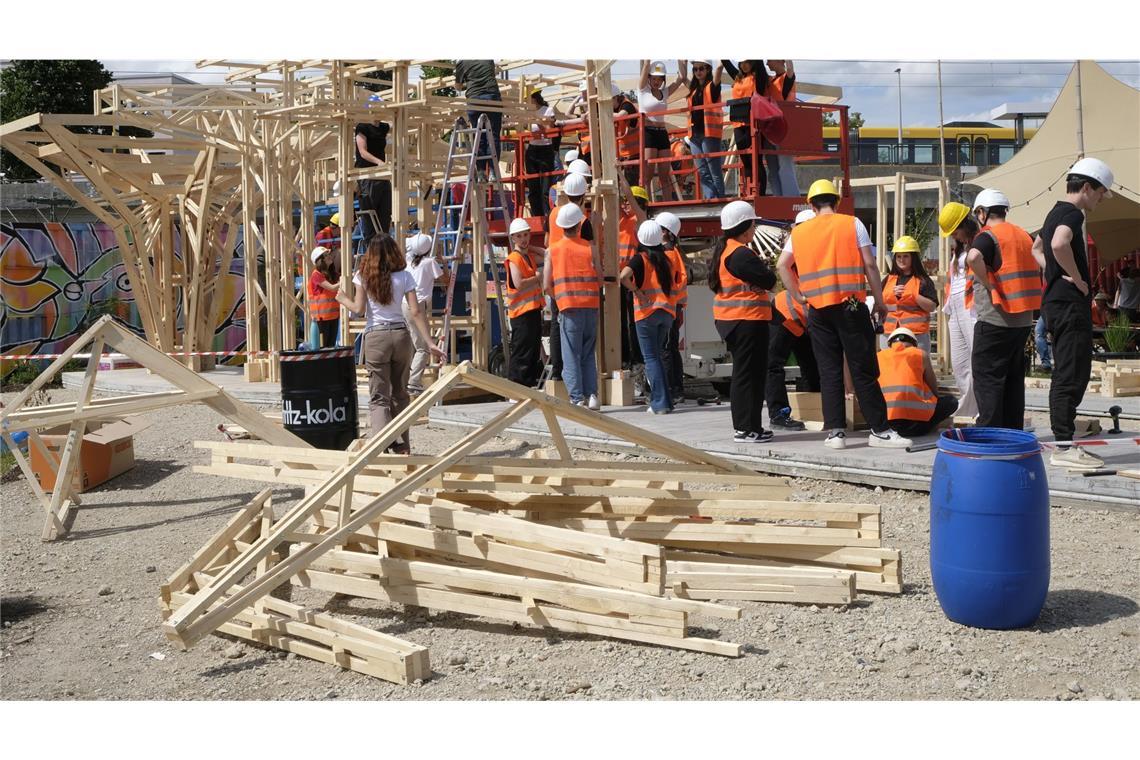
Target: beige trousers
[(388, 357)]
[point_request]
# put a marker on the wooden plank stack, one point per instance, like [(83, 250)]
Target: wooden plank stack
[(1119, 377)]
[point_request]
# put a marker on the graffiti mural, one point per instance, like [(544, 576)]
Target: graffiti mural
[(55, 279)]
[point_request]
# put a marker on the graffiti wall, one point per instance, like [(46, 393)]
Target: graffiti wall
[(55, 279)]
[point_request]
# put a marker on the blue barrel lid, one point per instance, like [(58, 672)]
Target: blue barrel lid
[(988, 442)]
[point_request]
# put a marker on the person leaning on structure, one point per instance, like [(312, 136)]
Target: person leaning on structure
[(649, 277), (674, 367), (909, 293), (834, 265), (1066, 303), (524, 304), (910, 386), (740, 280), (571, 274)]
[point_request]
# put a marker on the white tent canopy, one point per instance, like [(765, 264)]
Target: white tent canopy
[(1105, 112)]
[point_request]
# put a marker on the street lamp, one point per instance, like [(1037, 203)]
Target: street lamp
[(898, 160)]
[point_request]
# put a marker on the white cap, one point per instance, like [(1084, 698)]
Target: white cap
[(569, 215), (319, 251), (1096, 169), (519, 225), (669, 221), (901, 332), (805, 215), (574, 184), (649, 233), (989, 198), (657, 69), (736, 213), (571, 156), (582, 86), (578, 166), (417, 245)]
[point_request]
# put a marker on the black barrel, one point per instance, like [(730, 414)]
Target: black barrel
[(318, 396)]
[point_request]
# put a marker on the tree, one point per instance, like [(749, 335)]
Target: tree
[(429, 72), (854, 120), (48, 86)]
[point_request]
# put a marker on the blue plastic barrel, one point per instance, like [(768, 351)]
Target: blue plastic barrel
[(989, 527)]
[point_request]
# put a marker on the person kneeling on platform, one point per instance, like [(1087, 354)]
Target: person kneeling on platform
[(909, 386)]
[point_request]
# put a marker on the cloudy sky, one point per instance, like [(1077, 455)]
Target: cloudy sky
[(970, 88)]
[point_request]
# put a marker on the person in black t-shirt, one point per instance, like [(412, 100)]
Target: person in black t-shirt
[(375, 194), (1066, 304), (476, 78)]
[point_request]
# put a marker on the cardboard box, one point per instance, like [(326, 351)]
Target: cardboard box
[(107, 450), (809, 408)]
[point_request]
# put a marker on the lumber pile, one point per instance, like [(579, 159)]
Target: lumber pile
[(622, 549), (1118, 377)]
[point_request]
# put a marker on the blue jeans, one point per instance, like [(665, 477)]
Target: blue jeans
[(1043, 352), (781, 174), (494, 121), (578, 331), (710, 170), (653, 336)]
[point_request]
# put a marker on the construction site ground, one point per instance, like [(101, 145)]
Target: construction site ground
[(81, 619)]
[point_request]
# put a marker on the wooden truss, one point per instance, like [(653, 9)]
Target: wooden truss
[(191, 387)]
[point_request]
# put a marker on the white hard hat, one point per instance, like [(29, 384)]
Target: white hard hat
[(571, 156), (649, 233), (657, 69), (582, 86), (614, 89), (989, 198), (1095, 169), (805, 215), (574, 184), (668, 220), (319, 251), (901, 332), (569, 215), (418, 244), (578, 166), (519, 225), (736, 213)]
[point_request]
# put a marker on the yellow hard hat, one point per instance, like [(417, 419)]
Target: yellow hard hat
[(951, 216), (335, 219), (906, 244), (640, 192), (822, 187)]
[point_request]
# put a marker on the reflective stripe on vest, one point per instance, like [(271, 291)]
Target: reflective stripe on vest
[(653, 297), (1017, 285), (714, 115), (323, 305), (795, 316), (827, 257), (680, 292), (902, 378), (906, 313), (519, 302), (736, 298), (576, 283), (627, 240)]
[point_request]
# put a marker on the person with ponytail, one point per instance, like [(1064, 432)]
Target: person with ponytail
[(649, 276), (382, 285), (741, 311)]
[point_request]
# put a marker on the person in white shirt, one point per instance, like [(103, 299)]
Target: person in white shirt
[(960, 319), (539, 155), (382, 287), (425, 271), (653, 100)]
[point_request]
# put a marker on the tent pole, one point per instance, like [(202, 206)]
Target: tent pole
[(1080, 117)]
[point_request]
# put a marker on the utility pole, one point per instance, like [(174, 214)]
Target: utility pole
[(898, 158), (941, 125)]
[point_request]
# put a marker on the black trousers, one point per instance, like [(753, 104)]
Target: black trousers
[(674, 368), (375, 195), (998, 367), (782, 344), (1071, 326), (327, 329), (947, 405), (838, 332), (630, 347), (743, 138), (555, 354), (748, 342), (539, 158), (526, 342)]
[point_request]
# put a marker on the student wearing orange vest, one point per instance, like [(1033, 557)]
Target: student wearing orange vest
[(741, 311), (706, 126), (787, 335), (524, 304), (633, 204), (834, 266), (1065, 304), (910, 386), (961, 316), (747, 80), (574, 188), (909, 293), (324, 311), (571, 273), (674, 371), (649, 278), (781, 169)]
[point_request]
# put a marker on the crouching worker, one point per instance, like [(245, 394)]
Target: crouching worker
[(909, 386)]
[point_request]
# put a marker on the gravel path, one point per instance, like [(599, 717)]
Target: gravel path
[(80, 616)]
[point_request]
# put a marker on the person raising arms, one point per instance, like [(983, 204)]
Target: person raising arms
[(653, 100)]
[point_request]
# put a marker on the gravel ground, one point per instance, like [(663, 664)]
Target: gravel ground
[(81, 621)]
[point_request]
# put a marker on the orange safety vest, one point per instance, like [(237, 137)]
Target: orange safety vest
[(627, 239), (776, 89), (576, 282), (680, 277), (628, 134), (736, 298), (904, 312), (556, 233), (795, 315), (902, 378), (968, 294), (654, 295), (1017, 285), (714, 116), (323, 305), (828, 260), (519, 302), (744, 87)]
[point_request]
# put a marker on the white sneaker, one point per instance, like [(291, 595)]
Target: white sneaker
[(1075, 458), (592, 403), (651, 410), (836, 439), (888, 439)]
